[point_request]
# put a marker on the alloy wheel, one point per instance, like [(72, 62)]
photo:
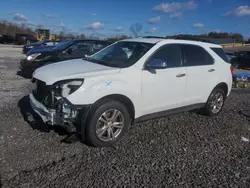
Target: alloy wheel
[(217, 103), (109, 125)]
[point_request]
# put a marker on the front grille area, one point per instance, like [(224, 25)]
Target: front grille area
[(43, 93)]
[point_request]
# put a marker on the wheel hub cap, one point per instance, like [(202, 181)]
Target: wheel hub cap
[(109, 125), (217, 103)]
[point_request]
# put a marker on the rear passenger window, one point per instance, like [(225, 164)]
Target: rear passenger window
[(49, 43), (170, 54), (196, 55), (222, 54)]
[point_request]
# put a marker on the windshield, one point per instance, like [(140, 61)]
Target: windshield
[(64, 44), (121, 54)]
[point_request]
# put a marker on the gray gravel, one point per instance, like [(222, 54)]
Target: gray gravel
[(184, 150)]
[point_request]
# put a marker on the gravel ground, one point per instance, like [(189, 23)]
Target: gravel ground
[(184, 150)]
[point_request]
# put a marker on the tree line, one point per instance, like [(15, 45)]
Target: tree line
[(11, 29), (237, 36)]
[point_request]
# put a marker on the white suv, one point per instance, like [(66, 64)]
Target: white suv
[(129, 81)]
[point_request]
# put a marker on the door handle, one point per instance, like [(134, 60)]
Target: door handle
[(180, 75), (211, 70)]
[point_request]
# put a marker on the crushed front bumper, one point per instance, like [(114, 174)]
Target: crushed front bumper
[(47, 115), (63, 113)]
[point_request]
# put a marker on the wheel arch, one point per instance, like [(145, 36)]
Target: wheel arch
[(127, 102), (222, 86)]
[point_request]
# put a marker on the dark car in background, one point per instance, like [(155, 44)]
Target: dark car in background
[(43, 48), (243, 59), (28, 47), (6, 39), (240, 59), (66, 50)]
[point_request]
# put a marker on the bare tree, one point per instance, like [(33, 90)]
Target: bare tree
[(8, 28), (94, 36), (136, 29)]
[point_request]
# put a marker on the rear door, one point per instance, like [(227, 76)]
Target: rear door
[(201, 73)]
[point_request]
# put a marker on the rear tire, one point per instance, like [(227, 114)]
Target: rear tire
[(215, 102), (107, 123)]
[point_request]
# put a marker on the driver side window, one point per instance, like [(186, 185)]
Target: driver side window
[(170, 54), (81, 48)]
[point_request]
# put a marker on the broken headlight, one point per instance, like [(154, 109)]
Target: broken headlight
[(66, 87)]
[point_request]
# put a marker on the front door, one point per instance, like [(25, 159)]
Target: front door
[(164, 89), (77, 50)]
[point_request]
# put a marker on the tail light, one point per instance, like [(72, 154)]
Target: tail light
[(232, 69)]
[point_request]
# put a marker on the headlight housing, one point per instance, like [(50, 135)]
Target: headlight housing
[(33, 56), (67, 87)]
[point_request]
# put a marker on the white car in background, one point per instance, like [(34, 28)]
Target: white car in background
[(105, 93)]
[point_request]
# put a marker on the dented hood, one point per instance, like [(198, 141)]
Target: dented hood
[(71, 69)]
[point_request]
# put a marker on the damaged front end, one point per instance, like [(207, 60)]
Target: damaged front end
[(51, 104)]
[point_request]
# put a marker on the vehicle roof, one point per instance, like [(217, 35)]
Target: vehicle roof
[(97, 40), (146, 40), (184, 41)]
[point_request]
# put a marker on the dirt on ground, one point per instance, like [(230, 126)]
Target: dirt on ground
[(183, 150), (237, 49)]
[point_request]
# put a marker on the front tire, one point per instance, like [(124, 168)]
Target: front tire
[(215, 102), (107, 123)]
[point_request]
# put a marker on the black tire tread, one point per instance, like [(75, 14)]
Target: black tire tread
[(90, 139), (206, 110)]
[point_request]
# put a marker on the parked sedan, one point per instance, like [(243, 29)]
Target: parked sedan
[(42, 48), (28, 47), (70, 49)]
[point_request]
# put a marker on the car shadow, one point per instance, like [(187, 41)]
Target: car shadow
[(26, 76), (36, 122)]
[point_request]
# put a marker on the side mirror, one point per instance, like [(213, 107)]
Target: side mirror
[(156, 64), (69, 51)]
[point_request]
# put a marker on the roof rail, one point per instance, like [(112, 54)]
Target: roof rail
[(194, 39), (183, 38), (154, 37)]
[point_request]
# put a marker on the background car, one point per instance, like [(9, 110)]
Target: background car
[(28, 47), (6, 39), (42, 48), (70, 49), (241, 60)]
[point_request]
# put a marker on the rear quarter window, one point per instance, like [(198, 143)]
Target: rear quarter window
[(220, 52)]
